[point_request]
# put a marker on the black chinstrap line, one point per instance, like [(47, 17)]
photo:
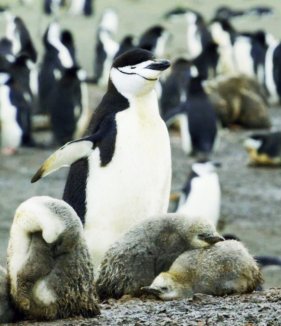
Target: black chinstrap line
[(133, 73)]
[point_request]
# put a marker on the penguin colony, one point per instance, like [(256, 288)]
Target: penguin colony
[(113, 217)]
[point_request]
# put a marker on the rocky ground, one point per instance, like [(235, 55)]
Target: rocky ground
[(259, 308)]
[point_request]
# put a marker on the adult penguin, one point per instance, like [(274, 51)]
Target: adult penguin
[(121, 172)]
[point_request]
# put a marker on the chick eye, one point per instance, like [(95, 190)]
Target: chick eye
[(164, 288), (133, 67)]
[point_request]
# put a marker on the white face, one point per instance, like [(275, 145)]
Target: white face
[(166, 287), (109, 21), (220, 36), (54, 39), (203, 168), (135, 80), (194, 44), (252, 143)]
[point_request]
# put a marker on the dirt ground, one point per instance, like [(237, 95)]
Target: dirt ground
[(251, 197)]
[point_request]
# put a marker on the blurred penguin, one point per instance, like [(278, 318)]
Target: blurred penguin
[(239, 101), (81, 7), (15, 116), (264, 149), (58, 55), (201, 194), (197, 119), (154, 39), (106, 47)]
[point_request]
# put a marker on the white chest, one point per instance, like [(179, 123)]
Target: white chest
[(204, 199), (134, 185)]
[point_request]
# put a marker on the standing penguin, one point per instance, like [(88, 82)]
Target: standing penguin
[(201, 194), (121, 172)]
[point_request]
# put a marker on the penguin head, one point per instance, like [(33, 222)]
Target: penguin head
[(203, 168), (202, 233), (253, 143), (136, 72), (167, 286)]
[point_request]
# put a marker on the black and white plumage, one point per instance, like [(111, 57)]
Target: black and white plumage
[(264, 149), (18, 34), (15, 115), (154, 39), (48, 264), (106, 46), (81, 7), (201, 193), (193, 110), (148, 249), (65, 105), (126, 131), (59, 55)]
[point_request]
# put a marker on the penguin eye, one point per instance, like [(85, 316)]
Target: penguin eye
[(164, 288), (133, 67)]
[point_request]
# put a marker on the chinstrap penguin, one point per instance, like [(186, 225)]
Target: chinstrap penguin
[(121, 172), (264, 149), (148, 249), (222, 269), (201, 194), (49, 268)]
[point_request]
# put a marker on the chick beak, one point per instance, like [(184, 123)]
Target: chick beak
[(212, 238), (150, 290)]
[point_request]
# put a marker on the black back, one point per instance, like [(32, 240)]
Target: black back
[(271, 143), (63, 99), (103, 122), (149, 38), (125, 45), (201, 118), (175, 85)]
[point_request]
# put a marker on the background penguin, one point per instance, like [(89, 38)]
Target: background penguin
[(264, 149), (15, 116), (149, 248), (105, 186), (81, 7), (174, 88), (106, 47), (197, 118), (201, 194), (238, 100), (8, 312), (65, 105), (19, 35), (224, 268), (154, 39), (49, 267), (57, 56)]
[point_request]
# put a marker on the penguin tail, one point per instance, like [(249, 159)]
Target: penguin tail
[(65, 156)]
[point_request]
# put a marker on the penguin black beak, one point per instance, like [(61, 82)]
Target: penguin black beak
[(159, 65), (211, 238), (149, 290)]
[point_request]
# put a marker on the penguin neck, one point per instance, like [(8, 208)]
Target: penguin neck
[(145, 105)]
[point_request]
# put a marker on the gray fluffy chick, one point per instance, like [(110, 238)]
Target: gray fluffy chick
[(225, 268), (149, 249), (49, 267)]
